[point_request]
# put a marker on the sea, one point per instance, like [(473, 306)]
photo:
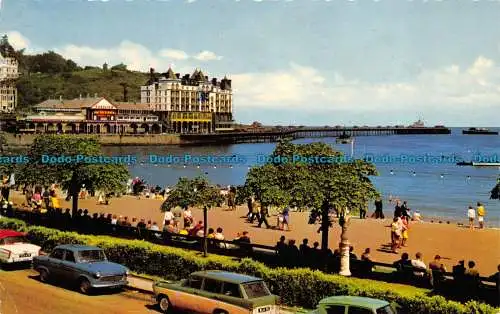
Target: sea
[(420, 169)]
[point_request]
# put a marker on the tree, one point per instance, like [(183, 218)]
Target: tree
[(119, 67), (6, 49), (70, 172), (316, 177), (495, 192), (197, 192)]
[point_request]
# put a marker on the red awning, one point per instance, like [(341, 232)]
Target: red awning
[(5, 233)]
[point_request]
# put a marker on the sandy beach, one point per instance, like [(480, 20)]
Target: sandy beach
[(450, 241)]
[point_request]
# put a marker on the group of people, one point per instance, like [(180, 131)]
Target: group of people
[(41, 199), (481, 213), (400, 226), (259, 213)]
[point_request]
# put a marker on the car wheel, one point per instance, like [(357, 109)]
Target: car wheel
[(84, 286), (164, 303), (43, 275), (220, 312)]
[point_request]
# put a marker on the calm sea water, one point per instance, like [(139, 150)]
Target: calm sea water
[(436, 189)]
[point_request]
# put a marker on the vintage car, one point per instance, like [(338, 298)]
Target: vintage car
[(14, 247), (353, 305), (216, 292), (86, 266)]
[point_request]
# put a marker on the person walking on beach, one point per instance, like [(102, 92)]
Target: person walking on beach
[(264, 213), (471, 213), (397, 209), (481, 212), (404, 230), (395, 235), (378, 209), (286, 219)]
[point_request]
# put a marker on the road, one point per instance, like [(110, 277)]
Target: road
[(22, 293)]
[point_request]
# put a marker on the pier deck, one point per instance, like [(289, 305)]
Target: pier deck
[(274, 136)]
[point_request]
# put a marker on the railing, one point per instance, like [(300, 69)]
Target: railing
[(442, 282)]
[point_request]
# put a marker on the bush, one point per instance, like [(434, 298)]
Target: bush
[(300, 287)]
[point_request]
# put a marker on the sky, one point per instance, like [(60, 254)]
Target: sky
[(302, 62)]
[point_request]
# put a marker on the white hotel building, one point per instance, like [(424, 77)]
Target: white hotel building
[(8, 91), (191, 103)]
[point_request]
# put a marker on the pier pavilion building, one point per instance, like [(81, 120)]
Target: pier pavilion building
[(191, 103), (91, 115)]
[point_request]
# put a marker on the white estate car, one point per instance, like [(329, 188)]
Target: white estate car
[(15, 248)]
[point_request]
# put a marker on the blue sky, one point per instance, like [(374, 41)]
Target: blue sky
[(294, 62)]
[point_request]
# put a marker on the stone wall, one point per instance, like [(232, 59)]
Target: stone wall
[(108, 140)]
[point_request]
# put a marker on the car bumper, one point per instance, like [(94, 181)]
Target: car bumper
[(18, 260), (112, 284)]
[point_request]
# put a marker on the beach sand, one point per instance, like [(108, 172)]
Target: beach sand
[(451, 242)]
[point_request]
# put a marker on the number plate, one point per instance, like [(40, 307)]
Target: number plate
[(264, 309), (24, 255)]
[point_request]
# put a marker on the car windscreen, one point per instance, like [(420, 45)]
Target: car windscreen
[(12, 240), (89, 256), (256, 289), (386, 310)]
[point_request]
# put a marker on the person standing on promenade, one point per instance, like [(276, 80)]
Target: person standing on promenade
[(481, 212), (471, 213), (378, 209)]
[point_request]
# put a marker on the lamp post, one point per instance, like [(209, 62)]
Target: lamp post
[(344, 244)]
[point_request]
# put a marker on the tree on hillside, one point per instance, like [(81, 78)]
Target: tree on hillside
[(197, 192), (71, 174), (6, 48), (342, 186), (119, 67)]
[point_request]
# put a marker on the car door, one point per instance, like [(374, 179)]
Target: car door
[(359, 310), (68, 266), (54, 261), (188, 297), (210, 295)]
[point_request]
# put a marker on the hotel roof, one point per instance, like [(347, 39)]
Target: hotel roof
[(82, 103)]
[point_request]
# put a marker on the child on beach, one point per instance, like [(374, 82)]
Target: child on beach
[(471, 213), (404, 234)]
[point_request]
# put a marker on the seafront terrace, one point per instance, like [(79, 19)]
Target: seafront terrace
[(443, 283)]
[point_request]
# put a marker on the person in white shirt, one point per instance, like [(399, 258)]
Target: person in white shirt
[(154, 227), (219, 236), (418, 262), (471, 213), (168, 217)]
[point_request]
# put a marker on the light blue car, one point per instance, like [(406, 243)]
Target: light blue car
[(86, 266), (353, 305)]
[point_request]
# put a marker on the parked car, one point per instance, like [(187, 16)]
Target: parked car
[(15, 248), (353, 305), (216, 292), (86, 266)]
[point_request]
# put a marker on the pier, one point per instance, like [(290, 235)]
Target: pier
[(274, 136)]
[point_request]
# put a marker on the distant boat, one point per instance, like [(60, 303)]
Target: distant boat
[(479, 131), (418, 124), (486, 164), (464, 163), (344, 139)]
